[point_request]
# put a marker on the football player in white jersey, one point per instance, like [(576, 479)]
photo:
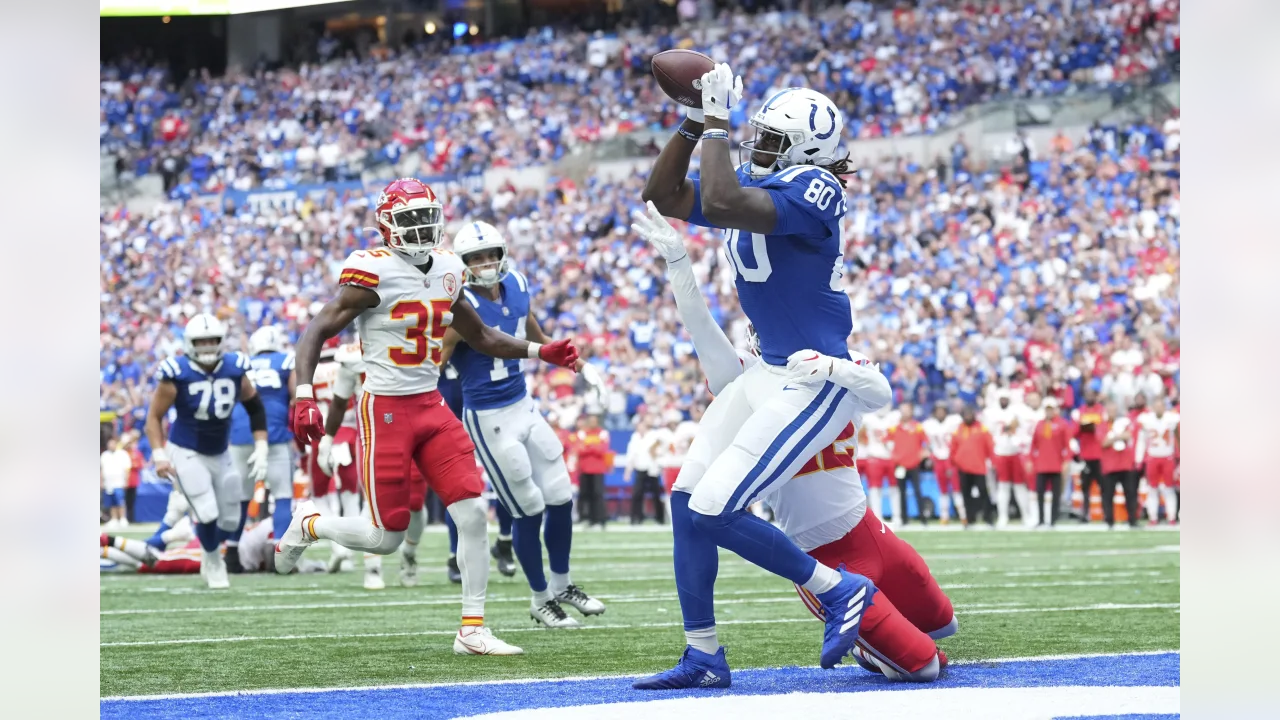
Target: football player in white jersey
[(938, 429), (823, 509), (402, 298), (1158, 438), (879, 450), (1002, 419)]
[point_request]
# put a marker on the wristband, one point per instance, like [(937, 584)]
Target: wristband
[(159, 455), (715, 135), (686, 134), (304, 392), (534, 348)]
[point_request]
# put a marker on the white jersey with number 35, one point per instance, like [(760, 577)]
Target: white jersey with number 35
[(401, 338)]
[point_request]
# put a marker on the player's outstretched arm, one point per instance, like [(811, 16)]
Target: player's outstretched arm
[(161, 401), (533, 331), (494, 343), (668, 186), (332, 318), (725, 203)]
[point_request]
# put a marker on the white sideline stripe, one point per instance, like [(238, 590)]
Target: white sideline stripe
[(610, 598), (634, 626), (580, 678)]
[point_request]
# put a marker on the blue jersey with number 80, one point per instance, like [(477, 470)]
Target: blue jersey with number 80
[(488, 382), (789, 280), (205, 401), (270, 373)]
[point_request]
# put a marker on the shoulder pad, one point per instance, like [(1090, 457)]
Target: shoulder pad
[(362, 268), (521, 280), (169, 369), (289, 360), (801, 175), (238, 359)]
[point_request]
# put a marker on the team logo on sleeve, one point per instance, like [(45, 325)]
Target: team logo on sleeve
[(450, 283)]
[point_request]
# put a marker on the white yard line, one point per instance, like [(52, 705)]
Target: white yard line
[(622, 626), (528, 681), (611, 598)]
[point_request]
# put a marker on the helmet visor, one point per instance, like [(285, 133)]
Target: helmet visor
[(420, 226)]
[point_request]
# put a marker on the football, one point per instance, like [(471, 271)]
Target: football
[(679, 73)]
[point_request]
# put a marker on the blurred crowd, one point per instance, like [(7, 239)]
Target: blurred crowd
[(465, 108), (1057, 272)]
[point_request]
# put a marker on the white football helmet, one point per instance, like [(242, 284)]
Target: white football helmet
[(796, 126), (267, 338), (476, 237), (202, 339)]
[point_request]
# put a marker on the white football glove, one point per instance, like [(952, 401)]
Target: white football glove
[(720, 92), (810, 365), (324, 455), (258, 461), (654, 228)]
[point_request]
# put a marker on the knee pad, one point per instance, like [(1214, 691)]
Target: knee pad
[(469, 515), (947, 630), (389, 542)]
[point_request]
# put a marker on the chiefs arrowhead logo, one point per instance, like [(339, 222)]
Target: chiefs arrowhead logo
[(450, 283)]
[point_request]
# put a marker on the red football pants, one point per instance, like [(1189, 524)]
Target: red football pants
[(880, 473), (1159, 471), (948, 478), (909, 606), (398, 432), (1009, 468), (348, 475)]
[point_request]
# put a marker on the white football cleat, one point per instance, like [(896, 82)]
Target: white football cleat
[(373, 573), (587, 605), (339, 558), (552, 615), (478, 640), (289, 548), (214, 569), (408, 569)]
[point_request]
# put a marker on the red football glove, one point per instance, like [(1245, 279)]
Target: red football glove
[(305, 421), (560, 352)]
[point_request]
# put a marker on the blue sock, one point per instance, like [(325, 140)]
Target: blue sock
[(453, 533), (755, 541), (559, 536), (208, 535), (528, 550), (156, 541), (281, 517), (233, 537), (696, 561), (504, 522)]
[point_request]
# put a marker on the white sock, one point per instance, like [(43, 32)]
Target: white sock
[(1002, 501), (823, 579), (350, 503), (542, 598), (944, 506), (899, 507), (120, 557), (958, 500), (135, 549), (557, 582), (417, 521), (875, 500), (1153, 503), (1026, 503), (356, 533), (372, 563), (328, 504), (703, 640), (1170, 503), (472, 518)]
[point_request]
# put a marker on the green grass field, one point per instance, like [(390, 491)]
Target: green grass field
[(1016, 594)]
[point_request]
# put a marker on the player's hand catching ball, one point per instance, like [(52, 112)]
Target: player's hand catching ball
[(655, 229), (810, 365), (560, 352), (720, 92), (305, 421)]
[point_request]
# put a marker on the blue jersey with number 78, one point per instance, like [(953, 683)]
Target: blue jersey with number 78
[(205, 401), (789, 280)]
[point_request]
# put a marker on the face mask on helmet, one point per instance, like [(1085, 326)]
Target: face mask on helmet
[(414, 231), (206, 351), (767, 153), (485, 270)]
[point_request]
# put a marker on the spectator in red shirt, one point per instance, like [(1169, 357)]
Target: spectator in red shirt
[(1050, 453), (591, 444), (972, 450), (1089, 434), (909, 451)]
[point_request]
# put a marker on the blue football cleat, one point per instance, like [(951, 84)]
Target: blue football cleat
[(696, 669), (844, 606)]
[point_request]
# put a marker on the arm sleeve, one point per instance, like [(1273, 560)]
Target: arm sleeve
[(720, 362), (257, 413), (869, 386)]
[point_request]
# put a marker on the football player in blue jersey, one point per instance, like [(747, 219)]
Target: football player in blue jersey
[(520, 452), (780, 209), (271, 370), (202, 387)]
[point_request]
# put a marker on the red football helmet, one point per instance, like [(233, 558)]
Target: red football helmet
[(410, 217)]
